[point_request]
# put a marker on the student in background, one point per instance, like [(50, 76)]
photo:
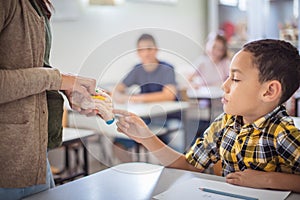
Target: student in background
[(212, 70), (156, 80), (255, 138), (24, 51), (212, 67)]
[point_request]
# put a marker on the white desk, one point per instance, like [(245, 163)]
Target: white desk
[(297, 121), (205, 106), (71, 134), (154, 109), (212, 95), (70, 137), (151, 109), (146, 110), (205, 93), (109, 132), (126, 181)]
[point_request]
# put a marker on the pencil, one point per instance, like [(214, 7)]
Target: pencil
[(227, 194), (98, 97)]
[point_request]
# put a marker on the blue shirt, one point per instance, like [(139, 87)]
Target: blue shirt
[(151, 81)]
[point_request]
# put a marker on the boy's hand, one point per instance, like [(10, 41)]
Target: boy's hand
[(249, 178), (132, 126)]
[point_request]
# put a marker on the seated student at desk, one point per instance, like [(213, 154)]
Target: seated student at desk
[(155, 78), (255, 138), (212, 70), (213, 66)]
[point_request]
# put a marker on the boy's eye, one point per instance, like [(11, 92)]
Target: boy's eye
[(235, 80)]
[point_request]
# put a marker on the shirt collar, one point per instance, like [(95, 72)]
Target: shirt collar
[(265, 120), (236, 122)]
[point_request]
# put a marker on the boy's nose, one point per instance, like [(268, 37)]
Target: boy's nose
[(224, 86)]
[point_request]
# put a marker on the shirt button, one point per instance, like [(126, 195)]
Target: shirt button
[(240, 141)]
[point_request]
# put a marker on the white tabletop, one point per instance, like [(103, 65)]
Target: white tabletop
[(297, 94), (205, 93), (143, 110), (154, 109), (126, 181), (75, 133), (296, 121)]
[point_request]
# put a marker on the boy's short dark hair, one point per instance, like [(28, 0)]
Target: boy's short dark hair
[(148, 37), (277, 60)]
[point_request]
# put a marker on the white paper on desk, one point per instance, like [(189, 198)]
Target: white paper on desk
[(190, 190)]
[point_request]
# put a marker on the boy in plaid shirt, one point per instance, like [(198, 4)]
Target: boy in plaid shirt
[(255, 139)]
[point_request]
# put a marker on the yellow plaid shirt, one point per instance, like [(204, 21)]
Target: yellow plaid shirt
[(269, 144)]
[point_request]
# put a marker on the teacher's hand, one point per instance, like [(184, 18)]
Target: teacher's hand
[(78, 91)]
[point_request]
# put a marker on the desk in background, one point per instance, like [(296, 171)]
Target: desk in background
[(205, 93), (126, 181), (154, 109), (159, 111), (74, 139), (297, 122), (144, 110), (212, 95), (205, 106)]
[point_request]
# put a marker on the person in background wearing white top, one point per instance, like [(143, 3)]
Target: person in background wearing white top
[(212, 70), (213, 66)]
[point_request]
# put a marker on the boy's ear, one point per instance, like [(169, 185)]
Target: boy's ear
[(272, 91)]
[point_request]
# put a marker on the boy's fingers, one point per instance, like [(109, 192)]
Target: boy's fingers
[(122, 112), (123, 123), (121, 127), (233, 175)]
